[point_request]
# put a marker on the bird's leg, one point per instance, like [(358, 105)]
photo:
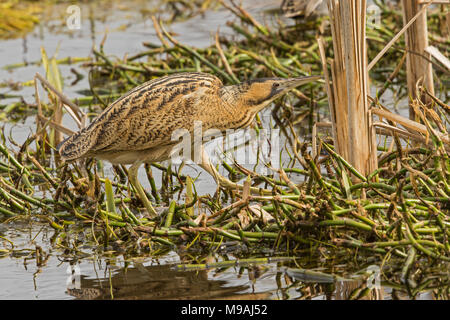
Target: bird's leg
[(221, 180), (132, 175)]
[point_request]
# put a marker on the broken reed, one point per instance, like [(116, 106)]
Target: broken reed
[(351, 120), (418, 60), (407, 207)]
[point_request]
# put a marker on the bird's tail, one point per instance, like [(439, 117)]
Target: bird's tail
[(76, 146)]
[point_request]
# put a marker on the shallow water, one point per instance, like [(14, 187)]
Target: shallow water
[(87, 275), (90, 275)]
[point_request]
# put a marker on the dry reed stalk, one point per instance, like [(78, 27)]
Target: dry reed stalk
[(418, 65), (388, 130), (409, 124), (75, 112), (52, 124), (353, 132), (57, 118), (433, 51)]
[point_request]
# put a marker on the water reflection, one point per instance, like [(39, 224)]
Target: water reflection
[(34, 269), (157, 282), (250, 282), (165, 282)]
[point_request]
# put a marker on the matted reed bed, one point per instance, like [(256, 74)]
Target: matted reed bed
[(397, 215)]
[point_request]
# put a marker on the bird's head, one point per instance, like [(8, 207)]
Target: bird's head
[(259, 93)]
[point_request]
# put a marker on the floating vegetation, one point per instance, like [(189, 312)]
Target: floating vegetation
[(396, 217), (17, 18)]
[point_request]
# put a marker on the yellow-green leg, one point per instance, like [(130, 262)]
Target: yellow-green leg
[(132, 175), (221, 180)]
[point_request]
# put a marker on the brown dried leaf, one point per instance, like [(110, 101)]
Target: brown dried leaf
[(258, 211), (199, 219), (244, 218)]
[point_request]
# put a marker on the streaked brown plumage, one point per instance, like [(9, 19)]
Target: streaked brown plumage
[(138, 127), (145, 117)]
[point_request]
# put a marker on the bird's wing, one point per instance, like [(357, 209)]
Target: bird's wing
[(147, 116)]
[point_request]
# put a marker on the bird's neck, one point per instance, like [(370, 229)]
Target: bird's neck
[(237, 96), (230, 95), (234, 107)]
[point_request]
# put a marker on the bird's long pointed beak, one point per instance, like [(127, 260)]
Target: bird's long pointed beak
[(295, 82), (286, 85)]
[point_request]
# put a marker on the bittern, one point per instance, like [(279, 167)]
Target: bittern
[(137, 128)]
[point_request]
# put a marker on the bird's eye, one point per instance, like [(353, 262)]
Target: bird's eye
[(276, 84)]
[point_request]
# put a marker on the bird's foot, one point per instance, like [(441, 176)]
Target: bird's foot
[(228, 184)]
